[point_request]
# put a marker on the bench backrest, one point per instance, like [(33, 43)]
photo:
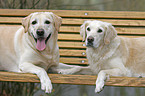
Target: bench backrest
[(72, 49)]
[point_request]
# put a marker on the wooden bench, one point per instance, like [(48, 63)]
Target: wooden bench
[(72, 49)]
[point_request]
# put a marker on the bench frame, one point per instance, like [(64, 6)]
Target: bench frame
[(129, 20)]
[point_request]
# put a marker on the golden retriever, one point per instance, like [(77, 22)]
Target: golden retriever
[(33, 47), (109, 54)]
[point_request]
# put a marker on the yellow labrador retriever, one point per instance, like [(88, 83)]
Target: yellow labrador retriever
[(109, 54), (32, 48)]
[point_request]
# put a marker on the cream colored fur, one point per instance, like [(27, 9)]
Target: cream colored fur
[(18, 47), (111, 55)]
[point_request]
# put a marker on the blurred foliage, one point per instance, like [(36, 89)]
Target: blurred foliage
[(99, 5), (17, 89)]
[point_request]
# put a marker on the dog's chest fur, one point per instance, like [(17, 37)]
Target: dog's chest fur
[(44, 61), (29, 53), (98, 57)]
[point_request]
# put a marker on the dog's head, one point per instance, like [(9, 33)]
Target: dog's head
[(96, 33), (41, 25)]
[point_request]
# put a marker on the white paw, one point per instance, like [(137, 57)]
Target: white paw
[(64, 71), (69, 71), (99, 86), (46, 85)]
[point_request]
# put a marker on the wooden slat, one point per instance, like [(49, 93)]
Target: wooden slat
[(63, 44), (12, 20), (76, 29), (120, 30), (80, 61), (68, 29), (77, 13), (73, 79), (71, 21), (68, 52), (140, 31), (116, 22), (72, 37), (77, 37), (5, 25)]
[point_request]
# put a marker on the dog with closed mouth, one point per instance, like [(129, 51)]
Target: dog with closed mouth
[(111, 55), (33, 47)]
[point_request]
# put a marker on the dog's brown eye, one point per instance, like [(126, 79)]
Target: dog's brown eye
[(88, 29), (34, 22), (100, 31), (47, 22)]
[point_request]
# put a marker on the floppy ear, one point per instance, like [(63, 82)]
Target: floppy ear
[(110, 33), (57, 21), (25, 22), (83, 29)]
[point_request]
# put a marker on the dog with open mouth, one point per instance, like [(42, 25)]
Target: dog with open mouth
[(33, 47), (40, 40), (41, 31)]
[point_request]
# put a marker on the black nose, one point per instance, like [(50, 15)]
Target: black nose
[(90, 39), (40, 32)]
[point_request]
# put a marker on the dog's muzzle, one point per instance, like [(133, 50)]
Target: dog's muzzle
[(90, 41), (40, 32), (41, 40)]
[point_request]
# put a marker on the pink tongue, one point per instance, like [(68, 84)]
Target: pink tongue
[(41, 44)]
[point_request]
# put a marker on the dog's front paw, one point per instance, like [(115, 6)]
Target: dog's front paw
[(99, 86), (46, 85), (64, 71), (69, 71)]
